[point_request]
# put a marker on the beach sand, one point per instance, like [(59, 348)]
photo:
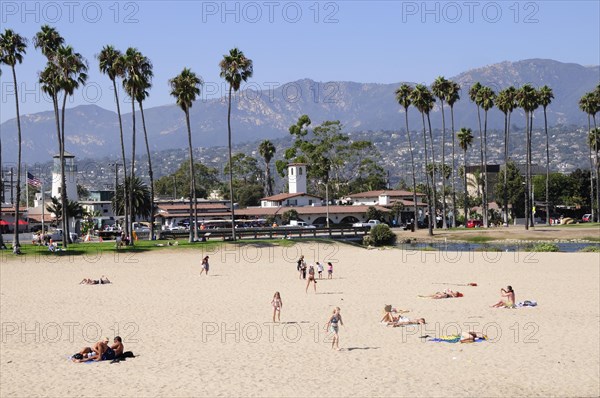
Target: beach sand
[(212, 336)]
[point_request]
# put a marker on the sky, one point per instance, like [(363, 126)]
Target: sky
[(361, 41)]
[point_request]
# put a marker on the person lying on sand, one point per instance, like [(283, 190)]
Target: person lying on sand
[(445, 294), (101, 351), (509, 293), (402, 321), (471, 337), (389, 314), (102, 281)]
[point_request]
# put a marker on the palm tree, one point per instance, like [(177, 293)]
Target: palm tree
[(423, 100), (453, 95), (465, 140), (110, 64), (440, 87), (267, 151), (594, 142), (545, 96), (526, 98), (185, 87), (235, 69), (485, 99), (143, 71), (72, 68), (12, 48), (505, 101), (403, 96), (142, 204), (590, 103), (473, 96)]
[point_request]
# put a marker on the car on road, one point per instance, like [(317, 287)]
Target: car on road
[(370, 224), (586, 218), (474, 223)]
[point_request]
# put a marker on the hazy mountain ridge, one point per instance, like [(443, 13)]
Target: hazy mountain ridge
[(92, 131)]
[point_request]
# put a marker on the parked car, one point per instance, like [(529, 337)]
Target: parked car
[(57, 236), (370, 223), (474, 223), (586, 218)]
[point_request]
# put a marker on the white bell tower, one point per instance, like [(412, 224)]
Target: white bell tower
[(70, 174), (297, 177)]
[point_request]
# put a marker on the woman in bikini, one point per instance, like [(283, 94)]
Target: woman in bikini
[(102, 281), (204, 265), (445, 294), (311, 278), (333, 326), (509, 293), (277, 304)]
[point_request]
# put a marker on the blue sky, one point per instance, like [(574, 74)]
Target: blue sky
[(363, 41)]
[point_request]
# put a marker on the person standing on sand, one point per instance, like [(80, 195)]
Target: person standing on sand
[(333, 326), (311, 278), (303, 269), (205, 265), (277, 303), (329, 270), (509, 293), (320, 270), (299, 266)]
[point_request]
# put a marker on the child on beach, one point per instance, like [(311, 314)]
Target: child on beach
[(205, 265), (329, 270), (333, 327), (320, 270), (277, 304)]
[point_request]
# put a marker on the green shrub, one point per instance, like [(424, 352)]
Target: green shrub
[(380, 235), (590, 249), (545, 247)]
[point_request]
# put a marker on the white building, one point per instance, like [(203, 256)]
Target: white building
[(70, 174)]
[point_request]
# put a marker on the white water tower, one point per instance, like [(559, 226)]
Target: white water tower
[(297, 177), (70, 174)]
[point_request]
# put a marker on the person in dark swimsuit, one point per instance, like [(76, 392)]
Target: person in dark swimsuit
[(333, 327), (311, 278)]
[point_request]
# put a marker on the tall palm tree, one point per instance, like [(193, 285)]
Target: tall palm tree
[(546, 95), (235, 69), (403, 96), (440, 87), (72, 68), (465, 140), (594, 142), (505, 101), (473, 96), (185, 87), (12, 48), (48, 40), (485, 99), (267, 151), (590, 104), (110, 64), (1, 178), (423, 100), (453, 95), (526, 98)]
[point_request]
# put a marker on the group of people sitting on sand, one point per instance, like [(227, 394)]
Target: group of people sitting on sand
[(101, 351)]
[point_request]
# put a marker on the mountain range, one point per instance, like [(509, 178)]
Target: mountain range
[(92, 131)]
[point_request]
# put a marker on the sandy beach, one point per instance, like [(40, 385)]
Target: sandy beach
[(195, 335)]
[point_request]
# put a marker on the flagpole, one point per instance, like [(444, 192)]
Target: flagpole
[(27, 194)]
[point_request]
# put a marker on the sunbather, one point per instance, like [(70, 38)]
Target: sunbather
[(471, 337), (445, 294), (101, 351), (102, 281), (402, 321), (509, 293)]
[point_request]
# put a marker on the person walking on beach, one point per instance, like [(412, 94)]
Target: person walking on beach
[(311, 278), (303, 269), (277, 304), (509, 293), (333, 326), (205, 265), (299, 266), (320, 270), (329, 270)]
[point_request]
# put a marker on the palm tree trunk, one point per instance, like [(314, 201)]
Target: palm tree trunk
[(453, 172), (193, 235), (1, 192), (597, 170), (485, 174), (527, 172), (591, 172), (58, 134), (230, 167), (466, 190), (64, 199), (443, 173), (434, 190), (414, 179), (268, 177), (125, 188), (532, 224), (484, 215), (428, 188), (547, 170), (504, 184), (18, 198), (150, 172), (130, 198)]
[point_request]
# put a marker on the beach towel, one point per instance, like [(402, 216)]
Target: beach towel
[(453, 339), (527, 303)]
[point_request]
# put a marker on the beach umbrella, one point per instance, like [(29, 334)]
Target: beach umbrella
[(2, 222), (23, 222)]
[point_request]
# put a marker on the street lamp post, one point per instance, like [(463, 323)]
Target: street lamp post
[(327, 201)]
